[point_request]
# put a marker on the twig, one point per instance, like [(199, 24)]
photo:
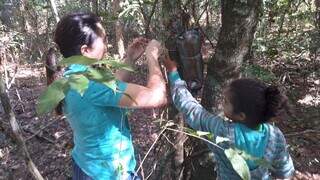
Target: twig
[(204, 10), (302, 132), (144, 158), (42, 128), (142, 171), (38, 135), (13, 78), (196, 137), (168, 140), (154, 167), (6, 74), (211, 43), (20, 100)]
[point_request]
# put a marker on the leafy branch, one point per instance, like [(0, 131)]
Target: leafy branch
[(99, 71)]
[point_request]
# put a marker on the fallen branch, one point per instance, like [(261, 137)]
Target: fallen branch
[(302, 132), (5, 101), (42, 128), (39, 136)]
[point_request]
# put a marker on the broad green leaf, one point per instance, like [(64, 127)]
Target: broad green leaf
[(238, 163), (258, 161), (79, 83), (99, 75), (51, 97), (77, 60), (111, 84), (114, 65)]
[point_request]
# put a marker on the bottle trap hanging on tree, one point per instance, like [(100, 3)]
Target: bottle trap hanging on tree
[(185, 49)]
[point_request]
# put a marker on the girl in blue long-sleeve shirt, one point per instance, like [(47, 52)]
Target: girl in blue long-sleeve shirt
[(250, 104)]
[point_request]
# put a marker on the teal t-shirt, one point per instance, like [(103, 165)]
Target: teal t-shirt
[(251, 141), (103, 146)]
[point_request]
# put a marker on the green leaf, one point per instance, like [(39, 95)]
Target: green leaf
[(114, 64), (111, 84), (238, 163), (202, 133), (220, 139), (77, 60), (51, 97), (190, 131), (99, 75), (258, 161), (79, 83)]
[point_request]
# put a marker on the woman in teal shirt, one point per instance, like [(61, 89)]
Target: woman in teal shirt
[(103, 146)]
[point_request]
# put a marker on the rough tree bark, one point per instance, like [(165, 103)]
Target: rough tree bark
[(239, 20), (5, 101), (173, 24)]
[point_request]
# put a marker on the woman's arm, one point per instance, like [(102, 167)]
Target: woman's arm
[(154, 93), (134, 52)]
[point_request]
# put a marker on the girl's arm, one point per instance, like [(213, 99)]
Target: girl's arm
[(282, 165), (196, 116)]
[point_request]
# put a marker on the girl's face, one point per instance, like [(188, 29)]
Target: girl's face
[(98, 47), (229, 109), (227, 106)]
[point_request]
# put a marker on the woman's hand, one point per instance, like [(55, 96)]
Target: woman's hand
[(136, 49), (153, 50)]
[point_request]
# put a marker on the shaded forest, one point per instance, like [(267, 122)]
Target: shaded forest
[(276, 41)]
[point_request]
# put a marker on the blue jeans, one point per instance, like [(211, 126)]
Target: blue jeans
[(78, 174)]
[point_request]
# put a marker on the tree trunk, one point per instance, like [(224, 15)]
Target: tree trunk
[(172, 21), (239, 20), (118, 28), (55, 10), (5, 101)]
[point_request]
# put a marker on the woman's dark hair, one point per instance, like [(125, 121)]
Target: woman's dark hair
[(258, 101), (75, 30)]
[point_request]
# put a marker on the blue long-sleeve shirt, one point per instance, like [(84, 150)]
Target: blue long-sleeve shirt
[(268, 142)]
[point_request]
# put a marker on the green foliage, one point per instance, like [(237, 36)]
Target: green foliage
[(238, 163), (236, 157), (78, 82), (283, 31), (51, 97), (100, 71)]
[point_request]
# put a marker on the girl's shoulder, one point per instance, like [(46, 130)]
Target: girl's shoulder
[(274, 132)]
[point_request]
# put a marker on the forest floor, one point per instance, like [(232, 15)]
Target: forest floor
[(49, 138)]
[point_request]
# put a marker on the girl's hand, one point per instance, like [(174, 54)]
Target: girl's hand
[(169, 64)]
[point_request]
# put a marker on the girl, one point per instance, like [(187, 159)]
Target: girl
[(250, 104), (102, 140)]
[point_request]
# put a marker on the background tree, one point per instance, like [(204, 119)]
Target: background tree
[(239, 20)]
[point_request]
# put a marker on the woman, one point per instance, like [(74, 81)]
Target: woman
[(102, 140)]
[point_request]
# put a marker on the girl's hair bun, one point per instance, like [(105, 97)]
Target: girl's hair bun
[(276, 102)]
